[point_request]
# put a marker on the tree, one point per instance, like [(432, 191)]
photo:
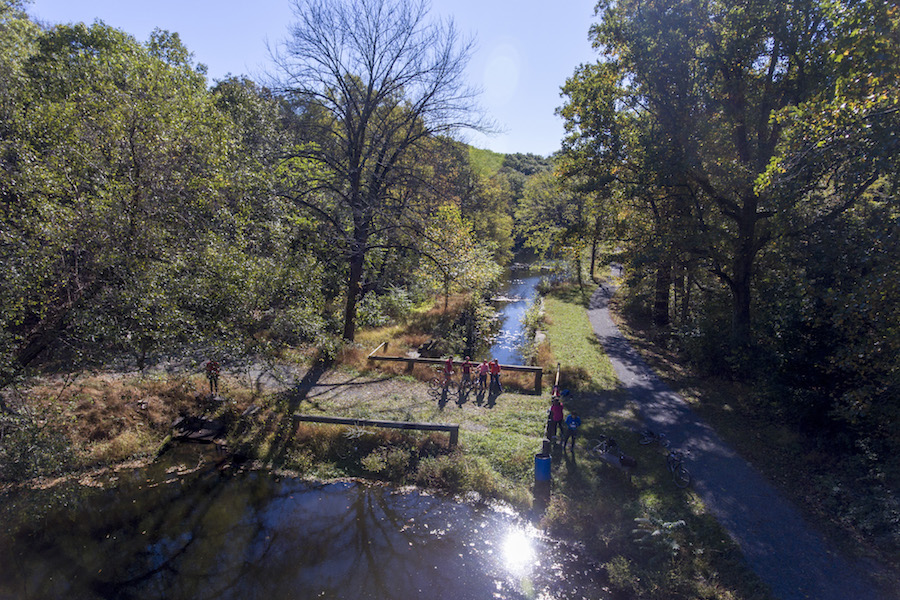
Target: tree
[(122, 157), (707, 78), (373, 81), (453, 255), (554, 219)]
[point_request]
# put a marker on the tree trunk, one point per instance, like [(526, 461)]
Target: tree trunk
[(356, 269), (578, 270), (744, 257), (686, 295), (595, 241), (740, 311), (662, 291)]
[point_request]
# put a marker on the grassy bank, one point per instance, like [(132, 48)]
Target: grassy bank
[(655, 539)]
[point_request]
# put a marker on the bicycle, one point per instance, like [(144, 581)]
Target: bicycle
[(649, 437), (442, 384), (675, 463), (466, 385), (603, 445)]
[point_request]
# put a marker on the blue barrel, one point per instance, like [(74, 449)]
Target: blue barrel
[(541, 467)]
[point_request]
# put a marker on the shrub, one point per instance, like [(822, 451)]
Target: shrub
[(31, 445), (389, 463), (456, 473)]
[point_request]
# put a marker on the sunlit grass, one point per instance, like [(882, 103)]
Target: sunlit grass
[(575, 347)]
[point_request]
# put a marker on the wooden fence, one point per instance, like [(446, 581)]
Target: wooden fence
[(452, 429), (537, 371)]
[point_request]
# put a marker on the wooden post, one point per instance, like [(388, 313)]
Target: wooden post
[(380, 346), (556, 384)]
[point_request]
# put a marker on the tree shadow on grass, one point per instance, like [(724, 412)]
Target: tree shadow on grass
[(284, 421)]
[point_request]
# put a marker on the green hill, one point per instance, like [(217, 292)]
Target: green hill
[(485, 162)]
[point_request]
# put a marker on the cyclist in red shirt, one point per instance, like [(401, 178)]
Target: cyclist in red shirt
[(483, 371), (495, 374), (467, 370), (448, 369)]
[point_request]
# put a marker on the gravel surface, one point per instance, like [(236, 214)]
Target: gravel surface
[(784, 550)]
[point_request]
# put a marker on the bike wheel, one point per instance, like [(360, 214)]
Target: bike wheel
[(647, 438), (681, 476), (597, 447), (674, 460), (436, 387)]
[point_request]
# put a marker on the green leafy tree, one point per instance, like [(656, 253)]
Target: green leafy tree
[(706, 78), (554, 220), (453, 255), (123, 158)]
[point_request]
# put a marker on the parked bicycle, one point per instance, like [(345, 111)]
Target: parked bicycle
[(675, 463), (603, 445), (466, 385), (650, 437), (442, 384)]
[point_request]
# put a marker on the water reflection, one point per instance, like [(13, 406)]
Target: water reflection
[(198, 533), (518, 551)]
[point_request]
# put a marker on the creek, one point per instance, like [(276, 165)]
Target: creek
[(512, 300), (185, 527)]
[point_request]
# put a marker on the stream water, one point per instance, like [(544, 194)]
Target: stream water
[(184, 528), (511, 302)]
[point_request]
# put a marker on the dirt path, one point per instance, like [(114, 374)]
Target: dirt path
[(788, 554)]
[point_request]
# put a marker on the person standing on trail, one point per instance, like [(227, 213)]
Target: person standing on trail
[(495, 374), (483, 371), (212, 374), (570, 430), (467, 370), (554, 418), (448, 368)]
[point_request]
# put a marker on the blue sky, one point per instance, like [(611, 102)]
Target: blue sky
[(525, 50)]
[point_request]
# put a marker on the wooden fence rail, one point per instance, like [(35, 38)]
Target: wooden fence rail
[(452, 429), (537, 371)]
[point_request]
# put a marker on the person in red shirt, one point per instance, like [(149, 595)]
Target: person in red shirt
[(495, 375), (448, 369), (554, 418), (212, 373), (466, 370)]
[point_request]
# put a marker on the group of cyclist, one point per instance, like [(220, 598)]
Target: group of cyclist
[(484, 369), (559, 430)]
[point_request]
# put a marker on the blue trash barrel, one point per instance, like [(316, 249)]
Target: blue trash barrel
[(541, 467)]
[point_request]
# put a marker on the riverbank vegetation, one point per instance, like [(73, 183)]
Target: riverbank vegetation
[(107, 418)]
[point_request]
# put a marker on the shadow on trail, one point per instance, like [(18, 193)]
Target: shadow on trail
[(791, 557)]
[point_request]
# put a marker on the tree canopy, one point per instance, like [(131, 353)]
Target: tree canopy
[(735, 147)]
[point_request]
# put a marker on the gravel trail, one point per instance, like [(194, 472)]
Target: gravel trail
[(784, 550)]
